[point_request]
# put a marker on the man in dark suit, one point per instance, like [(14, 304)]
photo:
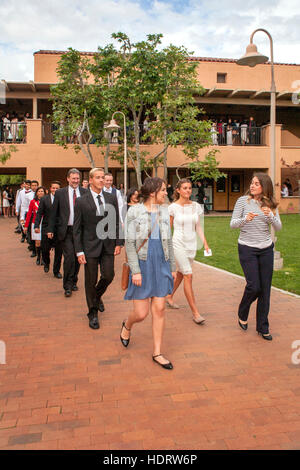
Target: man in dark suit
[(63, 212), (43, 214), (97, 240), (252, 131)]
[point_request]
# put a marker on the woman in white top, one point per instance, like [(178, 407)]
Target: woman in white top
[(5, 202), (185, 218), (253, 214)]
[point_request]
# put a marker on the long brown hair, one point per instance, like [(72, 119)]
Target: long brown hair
[(176, 195), (267, 198), (151, 185)]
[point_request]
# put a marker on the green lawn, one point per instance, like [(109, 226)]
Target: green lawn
[(223, 242)]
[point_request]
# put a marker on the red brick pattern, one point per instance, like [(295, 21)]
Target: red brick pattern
[(65, 386)]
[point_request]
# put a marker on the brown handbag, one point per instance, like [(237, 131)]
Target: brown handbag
[(126, 268)]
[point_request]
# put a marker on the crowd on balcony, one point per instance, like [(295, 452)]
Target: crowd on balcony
[(235, 132), (13, 128)]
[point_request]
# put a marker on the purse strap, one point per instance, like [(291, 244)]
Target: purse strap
[(149, 235)]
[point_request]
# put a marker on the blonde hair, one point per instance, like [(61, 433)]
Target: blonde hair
[(94, 170)]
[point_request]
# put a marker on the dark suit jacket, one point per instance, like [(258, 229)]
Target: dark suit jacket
[(92, 231), (43, 213), (60, 212)]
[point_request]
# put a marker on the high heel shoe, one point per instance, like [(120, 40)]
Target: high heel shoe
[(168, 365), (268, 337), (175, 306), (244, 326), (199, 321), (124, 341)]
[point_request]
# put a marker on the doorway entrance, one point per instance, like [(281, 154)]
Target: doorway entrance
[(228, 190)]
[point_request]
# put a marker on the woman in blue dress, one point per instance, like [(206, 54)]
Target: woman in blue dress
[(151, 260)]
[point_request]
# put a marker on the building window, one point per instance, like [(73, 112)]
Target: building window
[(221, 77)]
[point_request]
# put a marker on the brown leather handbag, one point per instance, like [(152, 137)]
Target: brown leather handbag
[(126, 268)]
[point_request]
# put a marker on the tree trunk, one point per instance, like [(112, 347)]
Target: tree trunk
[(137, 149), (106, 156)]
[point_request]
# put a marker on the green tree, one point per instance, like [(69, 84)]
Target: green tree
[(139, 86), (177, 118), (80, 103), (6, 152)]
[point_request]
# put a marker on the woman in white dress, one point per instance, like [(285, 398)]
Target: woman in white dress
[(5, 202), (229, 132), (185, 218)]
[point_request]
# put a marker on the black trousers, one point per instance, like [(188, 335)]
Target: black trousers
[(46, 245), (71, 265), (257, 265), (94, 289)]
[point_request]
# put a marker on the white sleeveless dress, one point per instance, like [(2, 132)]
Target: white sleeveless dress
[(185, 219)]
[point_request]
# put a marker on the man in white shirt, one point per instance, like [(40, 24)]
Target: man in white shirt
[(18, 227), (22, 205), (108, 187)]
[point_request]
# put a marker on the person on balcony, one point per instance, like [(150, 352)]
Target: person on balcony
[(229, 132), (252, 131), (14, 128), (235, 132), (244, 133), (6, 128), (214, 134)]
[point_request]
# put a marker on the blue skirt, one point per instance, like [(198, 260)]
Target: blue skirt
[(157, 280)]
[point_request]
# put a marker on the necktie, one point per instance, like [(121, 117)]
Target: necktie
[(100, 204), (74, 197)]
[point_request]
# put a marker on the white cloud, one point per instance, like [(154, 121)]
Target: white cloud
[(207, 27)]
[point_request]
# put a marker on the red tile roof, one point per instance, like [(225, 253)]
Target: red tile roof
[(194, 59)]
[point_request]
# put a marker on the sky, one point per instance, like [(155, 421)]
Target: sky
[(207, 28)]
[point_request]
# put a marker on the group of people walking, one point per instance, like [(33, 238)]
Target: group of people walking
[(92, 229)]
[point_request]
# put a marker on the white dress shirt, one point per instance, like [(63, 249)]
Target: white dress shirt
[(119, 199), (25, 197), (71, 192), (95, 196), (52, 198)]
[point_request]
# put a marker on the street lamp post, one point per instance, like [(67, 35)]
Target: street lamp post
[(251, 59), (114, 126)]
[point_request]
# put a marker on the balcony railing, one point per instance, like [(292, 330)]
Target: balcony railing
[(115, 137), (237, 136), (13, 132), (242, 135)]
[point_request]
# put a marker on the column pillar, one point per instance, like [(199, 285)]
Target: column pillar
[(34, 108)]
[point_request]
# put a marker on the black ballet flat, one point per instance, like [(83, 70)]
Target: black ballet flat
[(125, 342), (243, 326), (267, 337), (169, 365)]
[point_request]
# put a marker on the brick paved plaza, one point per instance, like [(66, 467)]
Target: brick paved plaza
[(65, 386)]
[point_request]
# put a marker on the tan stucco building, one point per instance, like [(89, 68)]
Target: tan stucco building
[(232, 92)]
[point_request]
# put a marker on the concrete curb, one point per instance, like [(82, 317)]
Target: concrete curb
[(241, 277)]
